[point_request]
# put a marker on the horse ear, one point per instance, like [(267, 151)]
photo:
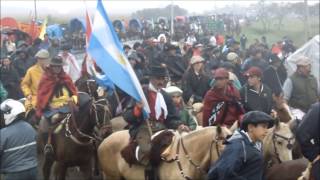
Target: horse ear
[(276, 122), (293, 125)]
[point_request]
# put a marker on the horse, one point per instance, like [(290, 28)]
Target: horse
[(199, 149), (72, 141), (287, 170), (278, 144)]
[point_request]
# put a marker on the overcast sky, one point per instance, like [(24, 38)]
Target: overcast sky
[(113, 7)]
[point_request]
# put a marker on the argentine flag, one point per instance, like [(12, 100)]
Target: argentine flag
[(106, 49)]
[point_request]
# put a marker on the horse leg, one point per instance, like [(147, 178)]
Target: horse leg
[(61, 171), (86, 169), (46, 168)]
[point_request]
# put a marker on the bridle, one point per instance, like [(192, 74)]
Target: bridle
[(215, 139), (289, 145), (106, 111)]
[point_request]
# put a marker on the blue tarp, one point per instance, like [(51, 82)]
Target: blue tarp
[(119, 24), (54, 31), (135, 24), (77, 24)]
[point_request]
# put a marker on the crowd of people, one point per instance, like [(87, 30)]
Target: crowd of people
[(234, 85)]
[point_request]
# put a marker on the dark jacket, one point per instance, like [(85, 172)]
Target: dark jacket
[(272, 79), (172, 121), (248, 63), (304, 91), (11, 82), (254, 101), (176, 67), (196, 85), (22, 65), (240, 160), (310, 129), (18, 149)]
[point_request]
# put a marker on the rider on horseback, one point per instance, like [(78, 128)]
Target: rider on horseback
[(55, 90), (162, 114), (242, 157)]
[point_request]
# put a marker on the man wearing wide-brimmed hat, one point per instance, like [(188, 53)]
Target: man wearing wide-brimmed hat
[(55, 90), (301, 89), (30, 82), (162, 113)]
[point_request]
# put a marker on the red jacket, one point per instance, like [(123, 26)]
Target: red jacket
[(229, 99), (47, 86)]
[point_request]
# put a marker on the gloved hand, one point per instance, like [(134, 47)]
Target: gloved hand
[(74, 98)]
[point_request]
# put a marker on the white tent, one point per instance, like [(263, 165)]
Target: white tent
[(310, 50)]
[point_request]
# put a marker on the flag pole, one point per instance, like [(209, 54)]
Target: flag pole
[(35, 10), (172, 28)]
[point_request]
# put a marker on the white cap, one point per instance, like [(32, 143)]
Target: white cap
[(232, 56), (173, 90), (303, 61)]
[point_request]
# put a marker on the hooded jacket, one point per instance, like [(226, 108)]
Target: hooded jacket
[(241, 160)]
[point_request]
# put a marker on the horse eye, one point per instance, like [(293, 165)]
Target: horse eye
[(279, 142)]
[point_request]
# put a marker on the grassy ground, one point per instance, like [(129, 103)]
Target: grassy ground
[(293, 28)]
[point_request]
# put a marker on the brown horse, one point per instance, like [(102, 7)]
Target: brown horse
[(72, 142), (199, 149), (287, 170)]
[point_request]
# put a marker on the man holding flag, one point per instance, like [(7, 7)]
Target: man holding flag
[(107, 51), (162, 115)]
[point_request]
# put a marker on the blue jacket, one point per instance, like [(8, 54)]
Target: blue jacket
[(18, 151), (241, 160)]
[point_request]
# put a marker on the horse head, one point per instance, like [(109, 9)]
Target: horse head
[(278, 143), (211, 139), (102, 114), (85, 84)]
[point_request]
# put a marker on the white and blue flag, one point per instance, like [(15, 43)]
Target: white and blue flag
[(106, 49)]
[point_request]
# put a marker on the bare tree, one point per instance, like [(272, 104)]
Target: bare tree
[(279, 11), (263, 15)]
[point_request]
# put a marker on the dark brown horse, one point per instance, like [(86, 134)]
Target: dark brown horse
[(73, 142)]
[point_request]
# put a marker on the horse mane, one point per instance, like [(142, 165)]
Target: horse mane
[(214, 130)]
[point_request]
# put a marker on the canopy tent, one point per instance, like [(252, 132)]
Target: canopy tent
[(9, 22), (32, 29), (77, 25), (135, 24), (118, 24), (181, 19), (310, 50), (54, 31)]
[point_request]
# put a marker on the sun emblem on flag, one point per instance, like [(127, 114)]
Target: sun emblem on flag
[(121, 59)]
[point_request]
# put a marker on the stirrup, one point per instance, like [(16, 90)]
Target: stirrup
[(48, 149), (142, 158)]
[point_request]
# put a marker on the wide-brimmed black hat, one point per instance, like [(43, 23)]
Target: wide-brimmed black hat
[(256, 117), (56, 61), (274, 58), (158, 71)]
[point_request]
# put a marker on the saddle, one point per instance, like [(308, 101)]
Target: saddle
[(159, 144), (58, 119)]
